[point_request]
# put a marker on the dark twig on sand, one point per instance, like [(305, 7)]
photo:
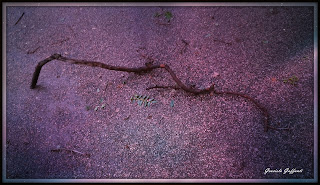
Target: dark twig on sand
[(33, 51), (186, 43), (221, 41), (70, 150), (257, 104), (163, 87), (148, 68), (19, 18)]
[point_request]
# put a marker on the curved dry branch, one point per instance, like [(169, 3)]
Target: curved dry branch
[(147, 68), (263, 110)]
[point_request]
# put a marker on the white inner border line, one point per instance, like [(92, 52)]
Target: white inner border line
[(315, 5)]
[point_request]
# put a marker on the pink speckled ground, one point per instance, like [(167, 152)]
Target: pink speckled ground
[(204, 137)]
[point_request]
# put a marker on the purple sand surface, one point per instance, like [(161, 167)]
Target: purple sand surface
[(207, 137)]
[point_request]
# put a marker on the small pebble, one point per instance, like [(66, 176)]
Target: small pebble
[(215, 74)]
